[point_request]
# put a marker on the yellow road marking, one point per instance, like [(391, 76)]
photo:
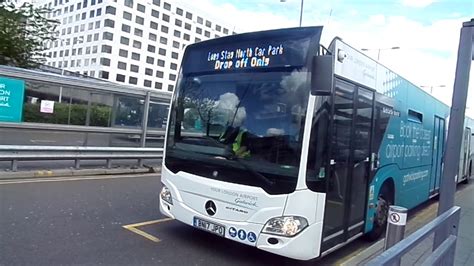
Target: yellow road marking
[(133, 228), (144, 234)]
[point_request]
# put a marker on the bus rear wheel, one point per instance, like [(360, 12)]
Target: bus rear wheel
[(385, 199)]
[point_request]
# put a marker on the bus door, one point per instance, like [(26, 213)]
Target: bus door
[(347, 186), (438, 149)]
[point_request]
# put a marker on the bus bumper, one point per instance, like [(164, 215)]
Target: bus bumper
[(303, 246)]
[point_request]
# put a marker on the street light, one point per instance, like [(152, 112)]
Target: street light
[(301, 10), (380, 49), (432, 86)]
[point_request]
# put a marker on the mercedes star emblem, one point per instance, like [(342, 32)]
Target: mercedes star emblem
[(211, 208)]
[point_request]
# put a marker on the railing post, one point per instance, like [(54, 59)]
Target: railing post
[(109, 163), (77, 164), (397, 220), (14, 165)]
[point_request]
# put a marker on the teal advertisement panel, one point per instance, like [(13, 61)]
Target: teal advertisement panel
[(11, 99)]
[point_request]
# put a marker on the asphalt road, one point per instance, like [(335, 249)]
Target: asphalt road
[(81, 222)]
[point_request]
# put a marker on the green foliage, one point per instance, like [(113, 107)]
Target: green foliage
[(23, 32), (62, 115)]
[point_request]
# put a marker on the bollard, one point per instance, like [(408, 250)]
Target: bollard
[(397, 219)]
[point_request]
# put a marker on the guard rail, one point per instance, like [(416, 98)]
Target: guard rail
[(16, 153)]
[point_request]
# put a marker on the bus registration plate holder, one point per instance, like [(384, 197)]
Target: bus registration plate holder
[(209, 226)]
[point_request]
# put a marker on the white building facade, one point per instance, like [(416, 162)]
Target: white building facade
[(136, 42)]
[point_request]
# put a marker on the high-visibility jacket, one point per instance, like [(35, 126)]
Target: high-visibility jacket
[(238, 144)]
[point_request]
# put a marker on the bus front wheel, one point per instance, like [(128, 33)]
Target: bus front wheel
[(385, 199)]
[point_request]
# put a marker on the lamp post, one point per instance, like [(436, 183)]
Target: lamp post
[(432, 86), (380, 49), (301, 10)]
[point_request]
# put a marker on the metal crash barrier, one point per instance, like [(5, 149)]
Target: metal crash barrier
[(15, 153), (442, 255)]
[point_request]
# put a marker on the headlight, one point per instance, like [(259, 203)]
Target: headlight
[(165, 195), (285, 226)]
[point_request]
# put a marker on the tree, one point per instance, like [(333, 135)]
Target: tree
[(24, 30)]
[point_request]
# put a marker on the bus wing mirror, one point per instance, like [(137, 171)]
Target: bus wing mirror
[(322, 75)]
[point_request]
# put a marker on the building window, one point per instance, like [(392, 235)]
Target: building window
[(173, 66), (187, 26), (158, 85), (156, 2), (150, 60), (161, 63), (129, 3), (155, 13), (83, 15), (175, 44), (141, 8), (148, 71), (170, 87), (138, 32), (163, 40), (133, 80), (208, 24), (189, 15), (126, 28), (177, 33), (134, 68), (218, 28), (108, 36), (137, 44), (98, 12), (166, 18), (91, 13), (174, 55), (151, 48), (162, 51), (96, 36), (94, 49), (147, 83), (110, 10), (120, 78), (197, 39), (179, 11), (226, 31), (198, 30), (136, 56), (172, 77), (104, 74), (123, 53), (122, 65), (109, 23), (178, 22), (207, 34), (139, 20), (152, 37), (164, 29), (105, 61), (200, 20), (167, 6), (97, 24), (106, 49), (124, 40), (159, 74), (186, 37), (127, 16)]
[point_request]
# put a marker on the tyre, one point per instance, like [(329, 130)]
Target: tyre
[(385, 199)]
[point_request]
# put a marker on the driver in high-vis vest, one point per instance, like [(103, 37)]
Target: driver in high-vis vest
[(238, 137)]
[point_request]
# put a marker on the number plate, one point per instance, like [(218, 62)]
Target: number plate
[(208, 226)]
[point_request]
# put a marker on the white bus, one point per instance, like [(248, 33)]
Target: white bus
[(276, 142)]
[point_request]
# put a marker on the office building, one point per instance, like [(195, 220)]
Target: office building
[(136, 42)]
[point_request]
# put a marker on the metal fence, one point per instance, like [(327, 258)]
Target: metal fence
[(442, 255), (15, 153)]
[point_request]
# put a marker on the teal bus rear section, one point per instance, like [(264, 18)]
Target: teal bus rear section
[(408, 138)]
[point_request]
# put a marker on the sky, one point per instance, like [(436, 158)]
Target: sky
[(427, 31)]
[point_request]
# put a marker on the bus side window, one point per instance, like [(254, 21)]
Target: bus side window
[(317, 170)]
